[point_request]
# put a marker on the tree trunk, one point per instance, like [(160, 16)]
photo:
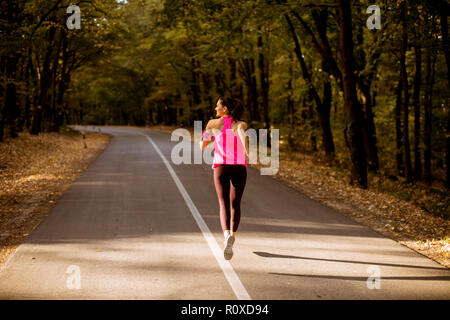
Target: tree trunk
[(324, 121), (52, 127), (445, 44), (323, 107), (218, 77), (63, 84), (324, 116), (207, 84), (352, 107), (430, 71), (194, 84), (398, 128), (321, 21), (234, 90), (264, 77), (254, 89), (416, 103), (366, 64), (370, 139), (247, 71), (405, 140), (40, 110), (322, 45), (30, 76), (313, 125), (290, 101), (11, 110)]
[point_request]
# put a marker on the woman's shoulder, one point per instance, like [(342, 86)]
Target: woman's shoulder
[(242, 124), (213, 124), (217, 124)]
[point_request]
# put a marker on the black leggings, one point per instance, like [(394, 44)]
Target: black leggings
[(230, 195)]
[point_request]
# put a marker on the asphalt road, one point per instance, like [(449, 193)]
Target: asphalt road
[(137, 226)]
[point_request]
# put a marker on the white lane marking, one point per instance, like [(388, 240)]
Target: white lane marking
[(233, 279)]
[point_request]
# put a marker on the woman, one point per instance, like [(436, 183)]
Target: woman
[(230, 164)]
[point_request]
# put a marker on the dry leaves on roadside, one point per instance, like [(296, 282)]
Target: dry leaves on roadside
[(34, 172)]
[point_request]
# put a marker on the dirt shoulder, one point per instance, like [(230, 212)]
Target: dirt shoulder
[(34, 172)]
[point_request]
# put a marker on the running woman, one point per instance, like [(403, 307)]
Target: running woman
[(230, 164)]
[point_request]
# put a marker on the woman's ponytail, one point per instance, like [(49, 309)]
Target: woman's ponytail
[(238, 110)]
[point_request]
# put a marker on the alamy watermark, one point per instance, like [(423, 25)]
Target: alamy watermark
[(73, 281), (374, 281), (74, 20), (257, 143), (374, 20)]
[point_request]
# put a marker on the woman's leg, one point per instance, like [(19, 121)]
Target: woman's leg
[(222, 184), (238, 180)]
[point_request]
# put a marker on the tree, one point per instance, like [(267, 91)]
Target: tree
[(352, 107)]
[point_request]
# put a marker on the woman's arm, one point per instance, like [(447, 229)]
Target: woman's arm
[(244, 139), (206, 136)]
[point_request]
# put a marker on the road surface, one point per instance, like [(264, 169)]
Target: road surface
[(136, 226)]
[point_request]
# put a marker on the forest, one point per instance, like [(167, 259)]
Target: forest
[(372, 100)]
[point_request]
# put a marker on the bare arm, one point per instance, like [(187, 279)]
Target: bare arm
[(209, 131), (244, 139)]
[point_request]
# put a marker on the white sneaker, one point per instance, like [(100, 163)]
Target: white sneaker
[(228, 247)]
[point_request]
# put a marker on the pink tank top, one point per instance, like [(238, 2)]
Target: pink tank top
[(228, 148)]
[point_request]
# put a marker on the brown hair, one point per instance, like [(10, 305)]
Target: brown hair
[(234, 106)]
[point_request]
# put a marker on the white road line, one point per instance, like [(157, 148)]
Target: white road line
[(233, 279)]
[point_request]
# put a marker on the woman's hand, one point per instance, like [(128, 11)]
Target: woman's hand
[(203, 144), (205, 139)]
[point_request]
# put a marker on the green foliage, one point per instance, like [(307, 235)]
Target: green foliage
[(148, 62)]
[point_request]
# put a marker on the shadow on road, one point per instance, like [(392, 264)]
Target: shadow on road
[(437, 278), (271, 255)]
